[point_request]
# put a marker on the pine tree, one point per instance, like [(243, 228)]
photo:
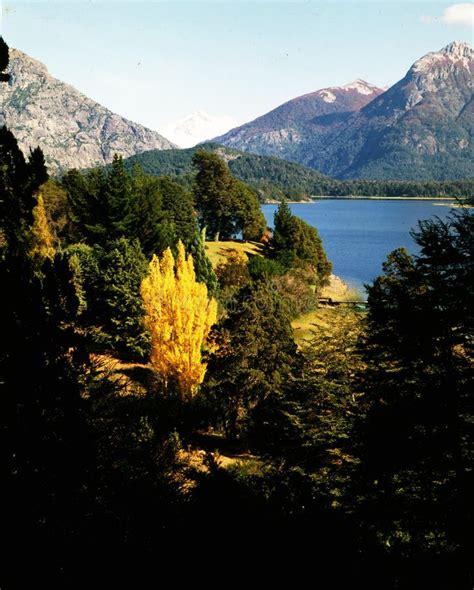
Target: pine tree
[(295, 243), (118, 202), (38, 171), (179, 316), (255, 360), (418, 437), (120, 307), (19, 184), (178, 209)]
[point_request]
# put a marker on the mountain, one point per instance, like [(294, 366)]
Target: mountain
[(420, 128), (299, 127), (72, 130), (198, 126)]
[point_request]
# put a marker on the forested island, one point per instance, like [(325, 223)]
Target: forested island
[(159, 415)]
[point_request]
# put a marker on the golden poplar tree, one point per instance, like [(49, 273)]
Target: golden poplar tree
[(179, 315), (42, 240)]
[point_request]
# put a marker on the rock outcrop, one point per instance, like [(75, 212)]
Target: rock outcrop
[(72, 130)]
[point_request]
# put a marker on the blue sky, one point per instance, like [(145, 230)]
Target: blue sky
[(155, 62)]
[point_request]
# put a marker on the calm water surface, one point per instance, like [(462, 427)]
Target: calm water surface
[(358, 234)]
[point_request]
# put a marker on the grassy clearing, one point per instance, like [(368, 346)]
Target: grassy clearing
[(218, 251), (328, 319)]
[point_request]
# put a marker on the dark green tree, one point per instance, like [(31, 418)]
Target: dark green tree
[(103, 207), (226, 206), (251, 220), (42, 427), (85, 207), (109, 283), (295, 243), (213, 193), (255, 359), (178, 210), (18, 182), (148, 213), (418, 436), (4, 61)]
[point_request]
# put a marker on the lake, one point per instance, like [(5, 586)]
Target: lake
[(358, 234)]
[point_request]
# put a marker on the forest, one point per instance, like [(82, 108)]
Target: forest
[(275, 179), (159, 419)]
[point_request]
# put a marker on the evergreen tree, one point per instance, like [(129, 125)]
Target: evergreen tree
[(85, 205), (38, 171), (103, 208), (4, 60), (251, 220), (118, 202), (214, 196), (42, 427), (148, 214), (178, 210), (255, 358), (120, 307), (295, 243), (108, 283), (418, 436), (18, 184)]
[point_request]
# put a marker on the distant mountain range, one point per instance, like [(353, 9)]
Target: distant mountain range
[(72, 130), (419, 129)]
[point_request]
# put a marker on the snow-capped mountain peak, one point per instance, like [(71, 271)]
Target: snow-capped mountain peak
[(457, 52), (198, 126), (361, 86)]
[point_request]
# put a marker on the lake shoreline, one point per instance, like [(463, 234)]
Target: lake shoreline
[(325, 198), (346, 198), (359, 234)]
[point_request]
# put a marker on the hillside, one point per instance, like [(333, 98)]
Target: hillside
[(274, 179), (72, 130), (312, 119), (271, 177)]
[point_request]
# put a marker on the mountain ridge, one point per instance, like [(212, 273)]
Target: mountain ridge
[(418, 129), (71, 129)]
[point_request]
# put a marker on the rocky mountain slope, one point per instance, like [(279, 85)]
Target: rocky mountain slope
[(288, 130), (72, 130), (419, 129)]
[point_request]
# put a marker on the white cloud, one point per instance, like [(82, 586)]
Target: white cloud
[(459, 14)]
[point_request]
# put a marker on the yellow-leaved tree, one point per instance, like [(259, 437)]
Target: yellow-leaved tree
[(179, 315), (42, 239)]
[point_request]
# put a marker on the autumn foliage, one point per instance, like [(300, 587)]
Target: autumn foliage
[(179, 315), (42, 240)]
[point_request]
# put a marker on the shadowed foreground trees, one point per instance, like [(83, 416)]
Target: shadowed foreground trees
[(362, 447), (418, 443)]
